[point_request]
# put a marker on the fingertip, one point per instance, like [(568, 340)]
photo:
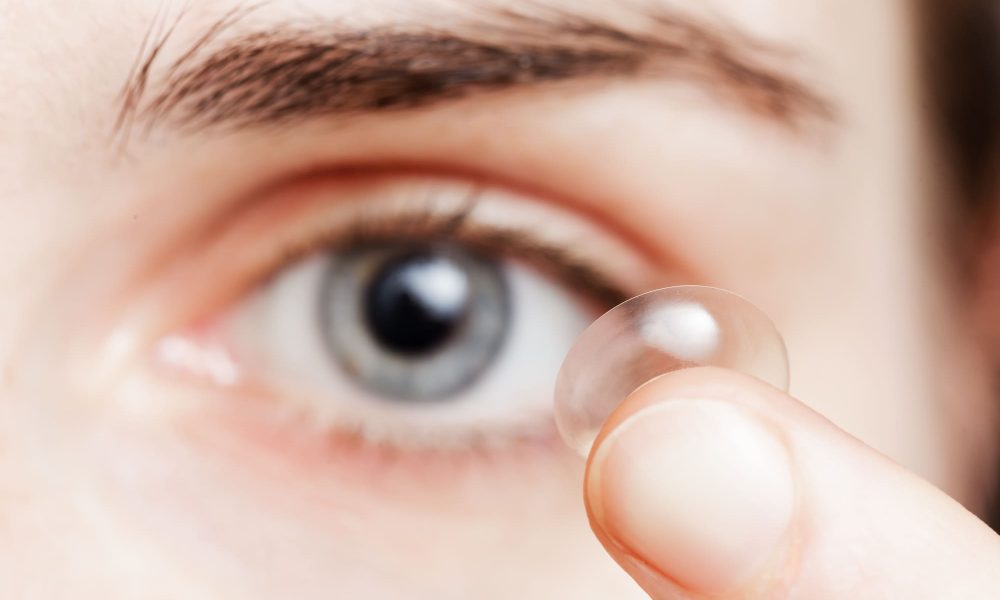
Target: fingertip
[(699, 490), (706, 482)]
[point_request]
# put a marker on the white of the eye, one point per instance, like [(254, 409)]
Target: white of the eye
[(277, 333)]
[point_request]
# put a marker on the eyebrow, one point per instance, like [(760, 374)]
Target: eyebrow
[(290, 73)]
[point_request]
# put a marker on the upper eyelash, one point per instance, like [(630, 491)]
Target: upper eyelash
[(429, 223)]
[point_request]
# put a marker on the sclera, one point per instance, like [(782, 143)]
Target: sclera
[(656, 333)]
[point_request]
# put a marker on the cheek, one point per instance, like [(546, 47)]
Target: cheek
[(235, 500)]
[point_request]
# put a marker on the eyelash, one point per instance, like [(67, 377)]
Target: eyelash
[(427, 224)]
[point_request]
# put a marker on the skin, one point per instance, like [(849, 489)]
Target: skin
[(119, 479)]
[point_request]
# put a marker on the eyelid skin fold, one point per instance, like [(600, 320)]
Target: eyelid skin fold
[(232, 256)]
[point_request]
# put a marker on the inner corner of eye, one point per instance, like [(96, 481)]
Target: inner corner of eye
[(198, 353)]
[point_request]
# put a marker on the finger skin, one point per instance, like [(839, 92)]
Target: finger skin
[(862, 526)]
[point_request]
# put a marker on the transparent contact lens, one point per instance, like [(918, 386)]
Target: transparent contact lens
[(655, 333)]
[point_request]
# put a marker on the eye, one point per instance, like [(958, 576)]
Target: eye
[(417, 322), (413, 345)]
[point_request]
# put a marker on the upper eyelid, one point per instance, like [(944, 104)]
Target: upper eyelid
[(459, 217), (243, 242), (426, 224)]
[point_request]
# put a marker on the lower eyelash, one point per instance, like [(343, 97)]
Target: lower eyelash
[(300, 445)]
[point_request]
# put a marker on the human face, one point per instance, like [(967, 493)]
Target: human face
[(172, 173)]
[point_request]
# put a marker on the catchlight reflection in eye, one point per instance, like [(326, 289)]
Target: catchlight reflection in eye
[(656, 333)]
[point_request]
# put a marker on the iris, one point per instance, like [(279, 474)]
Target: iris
[(414, 321)]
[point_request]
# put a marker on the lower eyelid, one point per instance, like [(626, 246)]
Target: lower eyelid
[(245, 449), (256, 432)]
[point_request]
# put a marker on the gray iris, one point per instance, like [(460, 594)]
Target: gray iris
[(413, 322)]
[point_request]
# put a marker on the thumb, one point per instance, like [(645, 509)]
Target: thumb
[(705, 482)]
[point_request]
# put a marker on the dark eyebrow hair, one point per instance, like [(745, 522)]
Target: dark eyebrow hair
[(288, 73)]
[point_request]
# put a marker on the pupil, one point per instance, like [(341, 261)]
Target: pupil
[(415, 302)]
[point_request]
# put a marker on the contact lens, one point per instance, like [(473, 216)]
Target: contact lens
[(655, 333)]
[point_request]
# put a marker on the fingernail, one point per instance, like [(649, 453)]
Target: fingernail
[(699, 490)]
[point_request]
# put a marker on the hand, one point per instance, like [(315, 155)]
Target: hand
[(708, 483)]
